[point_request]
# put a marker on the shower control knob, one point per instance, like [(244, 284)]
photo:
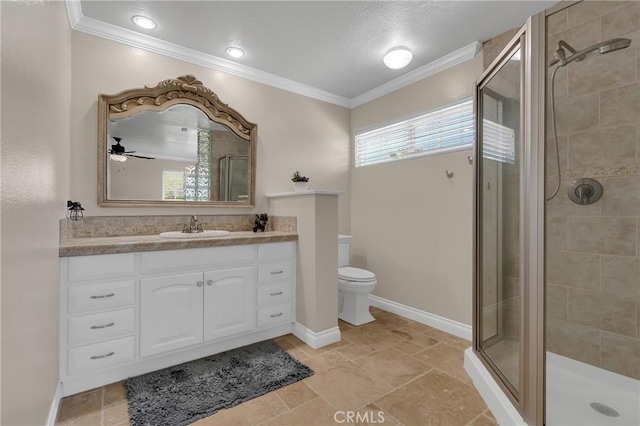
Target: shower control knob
[(585, 191)]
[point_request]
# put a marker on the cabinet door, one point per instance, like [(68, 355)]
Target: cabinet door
[(170, 312), (229, 302)]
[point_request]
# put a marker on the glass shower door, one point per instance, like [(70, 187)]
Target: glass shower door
[(498, 191)]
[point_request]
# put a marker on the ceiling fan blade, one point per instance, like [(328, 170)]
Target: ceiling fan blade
[(139, 156)]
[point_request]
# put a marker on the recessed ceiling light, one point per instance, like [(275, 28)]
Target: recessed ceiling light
[(144, 22), (235, 52), (397, 58)]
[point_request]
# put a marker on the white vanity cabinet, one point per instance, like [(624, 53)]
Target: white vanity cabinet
[(127, 314), (97, 326), (182, 310), (170, 313)]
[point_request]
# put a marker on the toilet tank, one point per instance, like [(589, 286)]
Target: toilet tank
[(344, 250)]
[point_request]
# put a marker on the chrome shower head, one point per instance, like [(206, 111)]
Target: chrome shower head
[(603, 47), (614, 44)]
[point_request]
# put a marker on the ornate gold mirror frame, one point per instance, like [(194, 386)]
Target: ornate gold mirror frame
[(183, 90)]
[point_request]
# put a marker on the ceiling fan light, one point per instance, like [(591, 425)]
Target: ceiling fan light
[(144, 22), (397, 58), (118, 157), (235, 52)]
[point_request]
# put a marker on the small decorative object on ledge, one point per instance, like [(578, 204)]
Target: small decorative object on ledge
[(75, 210), (300, 183), (261, 222)]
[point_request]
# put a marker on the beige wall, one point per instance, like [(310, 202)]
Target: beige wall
[(593, 268), (36, 79), (412, 226), (317, 257), (294, 132), (139, 179)]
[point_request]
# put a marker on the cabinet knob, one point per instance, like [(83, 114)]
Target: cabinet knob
[(199, 283), (209, 282)]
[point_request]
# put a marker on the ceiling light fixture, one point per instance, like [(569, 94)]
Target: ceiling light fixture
[(118, 157), (397, 58), (235, 52), (144, 22)]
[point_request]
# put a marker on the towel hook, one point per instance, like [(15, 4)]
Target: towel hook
[(449, 173)]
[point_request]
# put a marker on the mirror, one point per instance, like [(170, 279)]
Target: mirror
[(174, 144)]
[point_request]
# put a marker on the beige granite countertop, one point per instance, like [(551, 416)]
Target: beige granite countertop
[(137, 243)]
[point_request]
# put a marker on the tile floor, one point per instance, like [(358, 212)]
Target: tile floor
[(393, 371)]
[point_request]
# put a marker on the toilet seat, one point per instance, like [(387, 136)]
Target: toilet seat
[(348, 273)]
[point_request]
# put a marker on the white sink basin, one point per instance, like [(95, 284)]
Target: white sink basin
[(203, 234)]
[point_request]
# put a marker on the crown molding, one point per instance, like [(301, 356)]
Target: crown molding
[(87, 25), (463, 54)]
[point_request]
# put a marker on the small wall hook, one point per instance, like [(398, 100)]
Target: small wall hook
[(449, 173), (470, 159)]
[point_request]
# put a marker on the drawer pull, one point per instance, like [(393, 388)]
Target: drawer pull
[(277, 272), (95, 327), (103, 356), (103, 296), (276, 315), (276, 294)]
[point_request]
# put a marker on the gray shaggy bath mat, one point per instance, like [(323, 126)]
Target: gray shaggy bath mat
[(185, 393)]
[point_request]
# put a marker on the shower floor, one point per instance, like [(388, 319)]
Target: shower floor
[(572, 386)]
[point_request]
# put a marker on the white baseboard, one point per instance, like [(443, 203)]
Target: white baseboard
[(316, 340), (500, 406), (441, 323), (55, 406)]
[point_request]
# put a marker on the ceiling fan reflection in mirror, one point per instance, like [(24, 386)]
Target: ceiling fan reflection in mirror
[(119, 152)]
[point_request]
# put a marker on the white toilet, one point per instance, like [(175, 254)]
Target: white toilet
[(354, 286)]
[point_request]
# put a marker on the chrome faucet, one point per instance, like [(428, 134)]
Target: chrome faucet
[(193, 226)]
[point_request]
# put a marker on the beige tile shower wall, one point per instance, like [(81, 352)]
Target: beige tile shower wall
[(412, 226), (294, 132), (593, 268)]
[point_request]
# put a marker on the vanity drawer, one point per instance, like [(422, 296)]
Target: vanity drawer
[(277, 293), (275, 251), (274, 272), (99, 355), (101, 267), (169, 261), (107, 325), (274, 315), (81, 298)]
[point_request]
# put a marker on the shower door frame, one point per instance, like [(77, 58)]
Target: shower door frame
[(530, 398)]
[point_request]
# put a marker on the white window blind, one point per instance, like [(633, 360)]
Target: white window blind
[(446, 129), (498, 142)]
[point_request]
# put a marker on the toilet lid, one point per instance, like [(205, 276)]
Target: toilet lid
[(355, 274)]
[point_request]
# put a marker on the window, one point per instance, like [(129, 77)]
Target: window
[(172, 185), (445, 129)]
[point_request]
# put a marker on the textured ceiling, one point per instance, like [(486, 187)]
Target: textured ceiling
[(335, 46)]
